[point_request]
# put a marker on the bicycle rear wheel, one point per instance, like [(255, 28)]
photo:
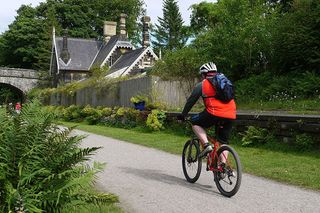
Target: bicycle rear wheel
[(191, 164), (228, 181)]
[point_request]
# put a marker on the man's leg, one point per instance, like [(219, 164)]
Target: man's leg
[(199, 123), (223, 135), (201, 134)]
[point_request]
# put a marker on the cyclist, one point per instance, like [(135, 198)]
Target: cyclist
[(216, 113)]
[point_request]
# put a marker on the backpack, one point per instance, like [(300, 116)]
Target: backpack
[(224, 87)]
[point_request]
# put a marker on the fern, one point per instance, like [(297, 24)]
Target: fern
[(42, 167)]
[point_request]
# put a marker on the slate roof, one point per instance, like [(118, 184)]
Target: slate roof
[(126, 60), (85, 53), (115, 41), (82, 53)]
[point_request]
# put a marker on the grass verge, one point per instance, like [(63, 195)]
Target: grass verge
[(291, 107), (95, 209), (276, 162)]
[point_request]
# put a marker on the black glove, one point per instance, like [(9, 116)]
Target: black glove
[(180, 117)]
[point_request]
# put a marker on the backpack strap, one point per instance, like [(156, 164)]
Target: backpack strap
[(212, 96)]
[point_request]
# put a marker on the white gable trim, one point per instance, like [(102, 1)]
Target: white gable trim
[(56, 52), (148, 49), (96, 56), (51, 58), (108, 56), (65, 64), (112, 51)]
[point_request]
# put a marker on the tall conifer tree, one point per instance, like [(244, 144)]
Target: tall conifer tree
[(170, 34)]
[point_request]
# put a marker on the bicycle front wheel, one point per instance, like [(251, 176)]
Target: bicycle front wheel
[(228, 180), (191, 164)]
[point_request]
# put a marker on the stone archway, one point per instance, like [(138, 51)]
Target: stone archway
[(11, 94), (23, 79)]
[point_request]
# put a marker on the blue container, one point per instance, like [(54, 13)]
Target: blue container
[(140, 105)]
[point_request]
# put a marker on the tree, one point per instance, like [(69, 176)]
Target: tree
[(170, 34), (203, 16), (235, 35), (284, 5), (182, 65), (22, 39), (297, 38)]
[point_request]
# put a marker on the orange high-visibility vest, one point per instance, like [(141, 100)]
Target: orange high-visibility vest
[(216, 107)]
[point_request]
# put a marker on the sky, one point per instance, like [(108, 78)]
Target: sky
[(154, 9)]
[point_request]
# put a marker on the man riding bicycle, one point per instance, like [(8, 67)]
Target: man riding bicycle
[(216, 112)]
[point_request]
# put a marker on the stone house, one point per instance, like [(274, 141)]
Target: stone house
[(73, 58)]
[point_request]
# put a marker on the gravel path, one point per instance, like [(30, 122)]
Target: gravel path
[(151, 181)]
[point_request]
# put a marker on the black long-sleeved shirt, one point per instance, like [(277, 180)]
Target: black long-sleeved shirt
[(193, 98)]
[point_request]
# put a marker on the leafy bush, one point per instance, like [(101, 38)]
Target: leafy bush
[(155, 120), (57, 111), (182, 64), (91, 115), (255, 136), (245, 91), (72, 113), (138, 99), (42, 168), (307, 85), (155, 105), (107, 111), (122, 117), (268, 87), (303, 141)]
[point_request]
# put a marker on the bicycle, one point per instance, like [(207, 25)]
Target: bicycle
[(223, 161)]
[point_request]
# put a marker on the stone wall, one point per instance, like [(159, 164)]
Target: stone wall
[(282, 125)]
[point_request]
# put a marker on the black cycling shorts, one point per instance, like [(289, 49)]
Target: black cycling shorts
[(223, 126)]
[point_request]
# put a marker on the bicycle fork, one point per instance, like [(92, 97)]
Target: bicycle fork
[(189, 154)]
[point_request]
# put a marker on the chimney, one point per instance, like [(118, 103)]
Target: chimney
[(65, 55), (123, 32), (109, 29), (145, 32)]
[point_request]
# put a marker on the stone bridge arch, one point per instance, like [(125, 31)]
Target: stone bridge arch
[(22, 79), (17, 94)]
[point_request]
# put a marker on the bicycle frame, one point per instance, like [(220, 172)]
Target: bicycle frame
[(213, 156), (223, 161)]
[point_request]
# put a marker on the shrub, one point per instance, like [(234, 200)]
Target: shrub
[(255, 136), (156, 120), (307, 85), (303, 141), (155, 105), (122, 117), (42, 168), (268, 87), (72, 113), (138, 98), (107, 111), (129, 117), (91, 115)]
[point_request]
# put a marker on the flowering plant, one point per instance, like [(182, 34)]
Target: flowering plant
[(138, 98)]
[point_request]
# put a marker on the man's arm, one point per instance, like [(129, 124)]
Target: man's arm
[(195, 95)]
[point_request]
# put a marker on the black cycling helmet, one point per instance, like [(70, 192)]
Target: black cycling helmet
[(208, 67)]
